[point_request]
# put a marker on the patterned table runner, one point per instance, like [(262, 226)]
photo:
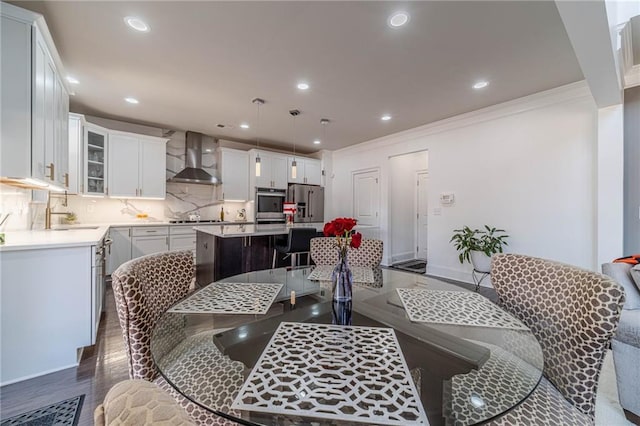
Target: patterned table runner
[(353, 374), (455, 307), (231, 298), (360, 274)]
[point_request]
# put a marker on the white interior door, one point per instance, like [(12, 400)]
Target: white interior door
[(421, 215), (366, 198)]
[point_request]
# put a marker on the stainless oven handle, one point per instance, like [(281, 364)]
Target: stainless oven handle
[(270, 194)]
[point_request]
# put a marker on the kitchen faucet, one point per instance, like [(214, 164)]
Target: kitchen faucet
[(48, 212)]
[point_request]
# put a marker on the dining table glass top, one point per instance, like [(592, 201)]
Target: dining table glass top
[(466, 360)]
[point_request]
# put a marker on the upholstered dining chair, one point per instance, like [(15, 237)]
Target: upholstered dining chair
[(368, 255), (138, 402), (574, 314), (144, 288)]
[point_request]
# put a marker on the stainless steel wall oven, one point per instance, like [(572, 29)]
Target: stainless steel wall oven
[(269, 205)]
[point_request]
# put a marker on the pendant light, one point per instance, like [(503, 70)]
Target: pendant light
[(323, 125), (294, 165), (258, 102)]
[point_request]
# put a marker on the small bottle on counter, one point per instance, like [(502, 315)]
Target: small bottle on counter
[(222, 214)]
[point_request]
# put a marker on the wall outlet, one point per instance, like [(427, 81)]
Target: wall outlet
[(90, 208), (437, 211)]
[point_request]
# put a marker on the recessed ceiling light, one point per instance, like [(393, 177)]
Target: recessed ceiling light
[(132, 100), (398, 19), (317, 142), (481, 85), (385, 117), (72, 80), (303, 86), (244, 126), (137, 24)]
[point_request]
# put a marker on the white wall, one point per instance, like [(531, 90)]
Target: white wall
[(528, 166), (402, 203)]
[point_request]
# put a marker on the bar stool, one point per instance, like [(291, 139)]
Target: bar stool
[(299, 242)]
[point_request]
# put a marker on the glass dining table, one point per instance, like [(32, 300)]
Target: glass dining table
[(458, 360)]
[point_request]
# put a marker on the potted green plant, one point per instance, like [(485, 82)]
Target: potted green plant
[(477, 246)]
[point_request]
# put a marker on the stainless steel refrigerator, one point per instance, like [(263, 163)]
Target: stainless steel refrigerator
[(309, 200)]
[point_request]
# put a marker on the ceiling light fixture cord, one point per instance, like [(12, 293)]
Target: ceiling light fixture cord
[(258, 103), (294, 165)]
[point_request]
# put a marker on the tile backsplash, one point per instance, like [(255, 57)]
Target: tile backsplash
[(15, 202)]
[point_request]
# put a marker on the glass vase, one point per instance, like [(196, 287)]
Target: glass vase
[(341, 312), (342, 280)]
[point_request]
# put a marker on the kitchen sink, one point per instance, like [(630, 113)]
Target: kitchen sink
[(74, 228)]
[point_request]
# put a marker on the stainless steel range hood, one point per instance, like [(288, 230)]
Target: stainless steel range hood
[(193, 172)]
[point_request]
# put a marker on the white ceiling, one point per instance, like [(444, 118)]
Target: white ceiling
[(203, 62)]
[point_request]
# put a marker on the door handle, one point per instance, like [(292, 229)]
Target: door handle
[(66, 180)]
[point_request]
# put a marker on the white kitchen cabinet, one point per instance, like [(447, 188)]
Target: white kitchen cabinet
[(76, 148), (149, 239), (153, 166), (273, 171), (34, 101), (308, 171), (123, 165), (61, 135), (95, 144), (119, 251), (45, 310), (50, 120), (234, 174), (182, 238), (136, 166)]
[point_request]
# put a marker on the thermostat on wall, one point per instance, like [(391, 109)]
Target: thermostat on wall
[(447, 198)]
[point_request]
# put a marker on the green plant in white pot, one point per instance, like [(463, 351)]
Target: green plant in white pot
[(477, 246)]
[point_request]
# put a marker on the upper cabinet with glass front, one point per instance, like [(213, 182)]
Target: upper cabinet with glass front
[(95, 157)]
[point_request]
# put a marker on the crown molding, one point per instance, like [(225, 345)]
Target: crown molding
[(632, 77), (567, 93)]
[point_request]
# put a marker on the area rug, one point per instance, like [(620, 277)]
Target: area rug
[(63, 413), (415, 265)]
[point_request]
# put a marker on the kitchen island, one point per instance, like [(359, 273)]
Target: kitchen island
[(223, 251)]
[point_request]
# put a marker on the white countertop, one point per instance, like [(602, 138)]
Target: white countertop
[(41, 239), (144, 222), (231, 231), (80, 234)]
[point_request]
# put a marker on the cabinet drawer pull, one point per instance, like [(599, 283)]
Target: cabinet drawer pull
[(51, 171), (148, 232)]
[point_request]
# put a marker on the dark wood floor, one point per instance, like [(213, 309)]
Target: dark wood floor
[(102, 366)]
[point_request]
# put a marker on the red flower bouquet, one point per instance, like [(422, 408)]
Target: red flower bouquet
[(342, 229)]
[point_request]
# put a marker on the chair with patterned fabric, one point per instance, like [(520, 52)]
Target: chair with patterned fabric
[(368, 255), (144, 288), (138, 402), (574, 314)]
